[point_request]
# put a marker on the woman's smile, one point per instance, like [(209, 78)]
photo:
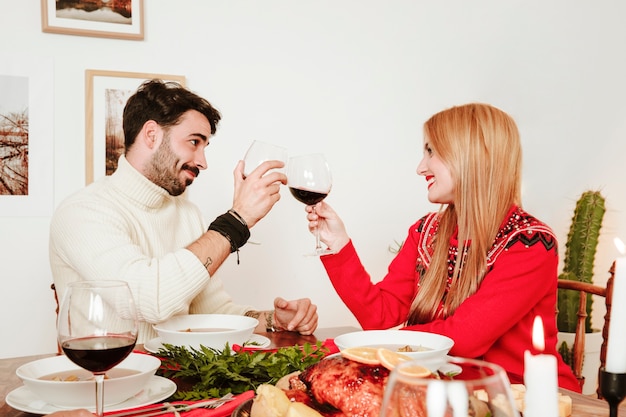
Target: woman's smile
[(430, 179)]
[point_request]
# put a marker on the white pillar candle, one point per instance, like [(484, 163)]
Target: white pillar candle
[(616, 348), (540, 378)]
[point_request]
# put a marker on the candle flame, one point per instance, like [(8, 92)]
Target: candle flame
[(620, 245), (539, 341)]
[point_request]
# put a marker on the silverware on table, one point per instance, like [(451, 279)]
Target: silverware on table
[(166, 408)]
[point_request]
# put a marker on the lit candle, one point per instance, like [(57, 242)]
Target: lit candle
[(540, 378), (616, 348)]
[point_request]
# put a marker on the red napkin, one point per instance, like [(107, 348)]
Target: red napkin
[(332, 347), (224, 410)]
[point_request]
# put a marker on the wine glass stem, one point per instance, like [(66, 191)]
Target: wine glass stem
[(99, 395), (318, 245)]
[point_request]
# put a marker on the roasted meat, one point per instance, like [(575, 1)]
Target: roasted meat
[(337, 386)]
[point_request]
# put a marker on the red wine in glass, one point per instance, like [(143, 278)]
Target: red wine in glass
[(307, 197), (98, 353), (309, 181), (97, 328)]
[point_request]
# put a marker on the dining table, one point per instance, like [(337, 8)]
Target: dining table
[(582, 405)]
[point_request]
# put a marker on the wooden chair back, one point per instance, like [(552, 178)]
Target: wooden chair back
[(585, 289)]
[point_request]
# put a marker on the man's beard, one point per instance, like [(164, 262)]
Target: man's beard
[(162, 171)]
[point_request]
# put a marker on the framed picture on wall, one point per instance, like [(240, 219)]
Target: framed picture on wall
[(106, 93), (26, 136), (121, 19)]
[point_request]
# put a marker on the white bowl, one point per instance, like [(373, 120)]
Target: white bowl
[(119, 387), (425, 346), (209, 330)]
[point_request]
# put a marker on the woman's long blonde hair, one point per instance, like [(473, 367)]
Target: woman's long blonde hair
[(480, 145)]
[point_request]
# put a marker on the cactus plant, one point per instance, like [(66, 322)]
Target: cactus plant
[(580, 251)]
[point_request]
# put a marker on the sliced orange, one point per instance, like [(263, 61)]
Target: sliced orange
[(390, 359), (362, 354), (415, 371)]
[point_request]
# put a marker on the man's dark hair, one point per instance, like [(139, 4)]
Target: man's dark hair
[(165, 103)]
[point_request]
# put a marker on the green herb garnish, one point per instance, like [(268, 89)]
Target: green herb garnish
[(210, 373)]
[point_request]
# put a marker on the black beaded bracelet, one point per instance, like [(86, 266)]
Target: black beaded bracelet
[(233, 228)]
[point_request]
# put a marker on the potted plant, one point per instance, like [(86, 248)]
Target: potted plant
[(580, 250)]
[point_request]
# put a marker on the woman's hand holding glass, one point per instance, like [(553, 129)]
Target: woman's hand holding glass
[(325, 221)]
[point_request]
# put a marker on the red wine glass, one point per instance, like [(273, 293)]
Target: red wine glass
[(97, 328), (309, 181)]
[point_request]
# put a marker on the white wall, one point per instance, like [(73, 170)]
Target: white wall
[(354, 79)]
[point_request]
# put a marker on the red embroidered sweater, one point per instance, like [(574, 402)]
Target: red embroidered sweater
[(495, 323)]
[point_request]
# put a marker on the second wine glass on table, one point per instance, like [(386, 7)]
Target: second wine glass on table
[(97, 328), (309, 181)]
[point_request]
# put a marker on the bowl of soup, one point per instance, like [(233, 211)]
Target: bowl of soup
[(418, 345), (59, 382), (208, 330)]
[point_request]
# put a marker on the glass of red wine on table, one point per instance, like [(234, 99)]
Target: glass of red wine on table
[(309, 181), (97, 328)]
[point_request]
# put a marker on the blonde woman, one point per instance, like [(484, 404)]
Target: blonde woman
[(480, 269)]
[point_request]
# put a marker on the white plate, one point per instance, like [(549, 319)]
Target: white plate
[(261, 341), (153, 345), (158, 389)]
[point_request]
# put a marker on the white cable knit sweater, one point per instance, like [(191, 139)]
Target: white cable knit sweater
[(125, 227)]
